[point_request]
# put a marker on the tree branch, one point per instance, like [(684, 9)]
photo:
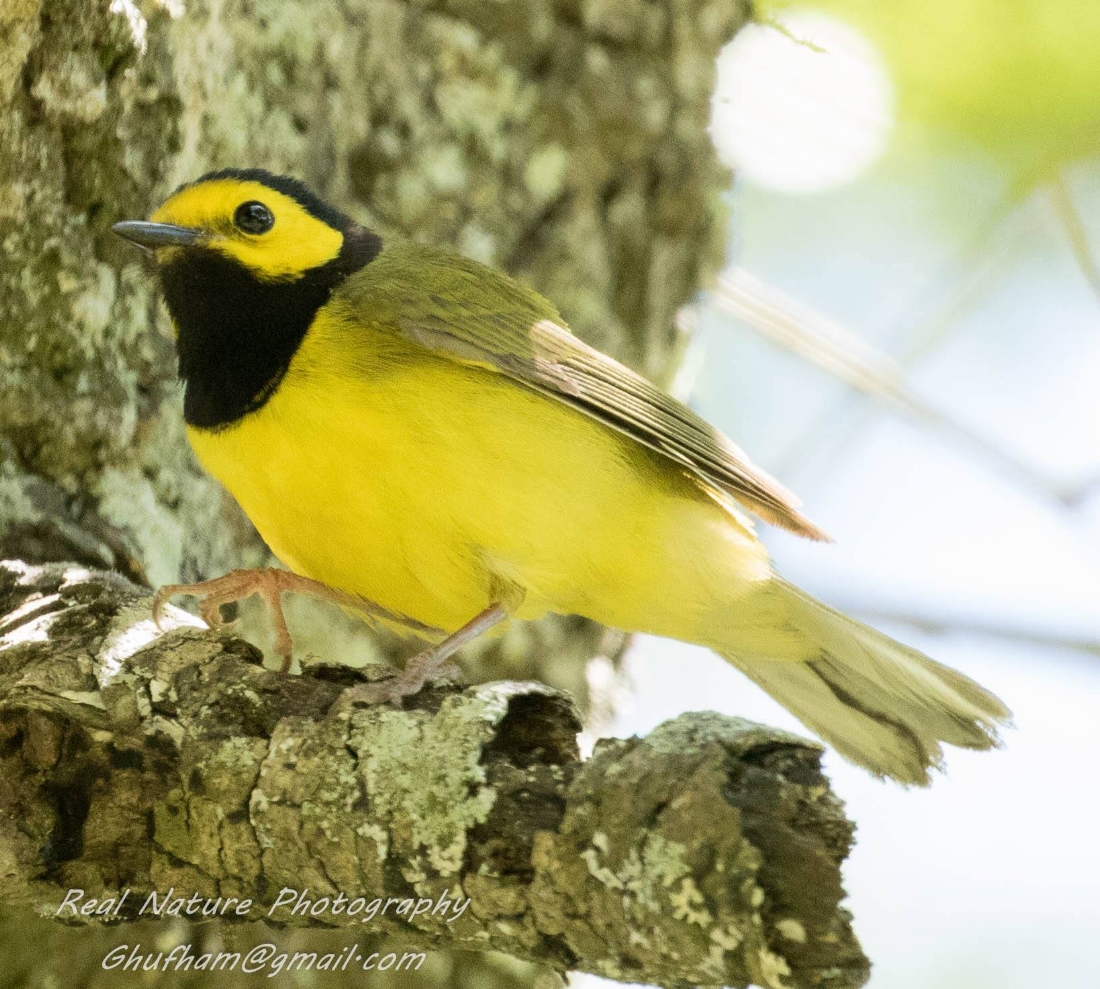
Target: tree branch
[(706, 853)]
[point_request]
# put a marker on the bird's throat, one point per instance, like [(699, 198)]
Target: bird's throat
[(238, 334)]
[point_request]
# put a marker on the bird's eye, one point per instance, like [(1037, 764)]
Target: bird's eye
[(253, 218)]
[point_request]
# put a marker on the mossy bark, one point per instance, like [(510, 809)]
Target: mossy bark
[(707, 853)]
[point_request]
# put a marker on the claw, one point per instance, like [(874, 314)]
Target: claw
[(425, 668), (270, 585), (211, 612), (236, 586), (430, 666), (160, 602)]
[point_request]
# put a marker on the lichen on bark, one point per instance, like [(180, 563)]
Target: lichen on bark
[(172, 761)]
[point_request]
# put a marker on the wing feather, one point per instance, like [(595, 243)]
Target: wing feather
[(479, 316)]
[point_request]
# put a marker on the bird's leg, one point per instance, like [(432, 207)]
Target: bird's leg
[(432, 663), (269, 584), (428, 666), (230, 588)]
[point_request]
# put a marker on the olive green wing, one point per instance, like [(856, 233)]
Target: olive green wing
[(473, 314)]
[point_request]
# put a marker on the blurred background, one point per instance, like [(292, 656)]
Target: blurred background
[(907, 333), (905, 329)]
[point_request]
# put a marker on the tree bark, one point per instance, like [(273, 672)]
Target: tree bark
[(707, 853)]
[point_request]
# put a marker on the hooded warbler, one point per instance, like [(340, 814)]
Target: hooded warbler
[(419, 436)]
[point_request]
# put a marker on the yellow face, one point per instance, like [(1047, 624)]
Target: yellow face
[(265, 230)]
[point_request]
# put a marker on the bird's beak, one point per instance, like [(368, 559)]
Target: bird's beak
[(154, 235)]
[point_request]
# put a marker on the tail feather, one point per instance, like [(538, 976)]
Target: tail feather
[(877, 702)]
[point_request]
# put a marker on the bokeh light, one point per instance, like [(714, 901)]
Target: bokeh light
[(801, 107)]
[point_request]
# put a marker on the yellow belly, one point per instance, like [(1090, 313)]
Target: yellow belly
[(436, 489)]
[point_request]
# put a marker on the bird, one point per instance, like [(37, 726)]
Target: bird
[(420, 438)]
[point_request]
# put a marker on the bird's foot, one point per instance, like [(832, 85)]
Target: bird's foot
[(269, 584), (430, 666)]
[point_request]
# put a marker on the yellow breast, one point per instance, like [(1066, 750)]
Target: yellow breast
[(435, 488)]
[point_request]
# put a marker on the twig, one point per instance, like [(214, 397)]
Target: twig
[(836, 350), (971, 625), (1065, 209)]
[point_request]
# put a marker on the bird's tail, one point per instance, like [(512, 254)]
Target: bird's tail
[(879, 703)]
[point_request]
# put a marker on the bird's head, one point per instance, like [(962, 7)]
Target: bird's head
[(271, 226), (246, 260)]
